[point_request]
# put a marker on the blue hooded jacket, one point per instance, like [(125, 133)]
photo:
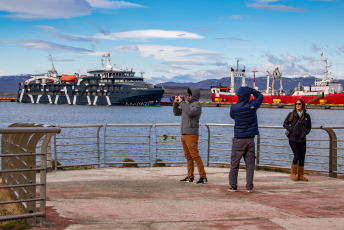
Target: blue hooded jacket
[(244, 113)]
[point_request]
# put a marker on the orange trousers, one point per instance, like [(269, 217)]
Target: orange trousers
[(190, 147)]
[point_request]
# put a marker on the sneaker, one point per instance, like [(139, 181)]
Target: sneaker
[(187, 179), (231, 189), (249, 190), (202, 180)]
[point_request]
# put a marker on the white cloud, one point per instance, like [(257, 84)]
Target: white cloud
[(172, 53), (113, 4), (55, 9), (51, 9), (35, 44), (149, 34)]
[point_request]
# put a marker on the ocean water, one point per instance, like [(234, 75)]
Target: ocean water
[(11, 112)]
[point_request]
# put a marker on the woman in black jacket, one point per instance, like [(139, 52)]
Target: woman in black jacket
[(298, 124)]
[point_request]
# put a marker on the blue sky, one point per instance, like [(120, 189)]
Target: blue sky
[(172, 40)]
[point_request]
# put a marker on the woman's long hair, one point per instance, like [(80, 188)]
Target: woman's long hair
[(304, 110)]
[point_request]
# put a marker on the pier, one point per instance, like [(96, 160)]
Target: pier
[(153, 198)]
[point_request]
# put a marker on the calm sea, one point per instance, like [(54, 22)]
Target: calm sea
[(12, 112)]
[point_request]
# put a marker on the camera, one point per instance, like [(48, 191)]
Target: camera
[(174, 97)]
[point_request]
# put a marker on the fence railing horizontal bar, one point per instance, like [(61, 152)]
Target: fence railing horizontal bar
[(128, 136), (80, 151), (222, 143), (68, 138), (320, 163), (268, 159), (21, 201), (222, 163), (310, 147), (22, 154), (84, 144), (77, 158), (279, 146), (116, 163), (214, 135), (220, 149), (117, 143), (277, 153), (166, 155), (223, 125), (127, 156), (126, 149), (77, 165), (20, 185), (172, 162), (129, 125), (166, 142), (21, 216), (80, 126), (15, 130), (315, 155), (220, 156), (22, 170), (169, 148), (167, 124)]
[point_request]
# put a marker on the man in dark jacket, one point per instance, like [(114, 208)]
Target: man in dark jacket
[(190, 114), (244, 114)]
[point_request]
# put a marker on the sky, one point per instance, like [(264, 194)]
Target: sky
[(173, 40)]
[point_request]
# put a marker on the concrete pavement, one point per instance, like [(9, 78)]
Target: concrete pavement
[(153, 198)]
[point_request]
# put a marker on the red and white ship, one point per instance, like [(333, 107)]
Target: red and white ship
[(325, 91)]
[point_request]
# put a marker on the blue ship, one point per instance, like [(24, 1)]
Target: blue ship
[(108, 86)]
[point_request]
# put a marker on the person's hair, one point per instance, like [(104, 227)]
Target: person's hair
[(304, 110)]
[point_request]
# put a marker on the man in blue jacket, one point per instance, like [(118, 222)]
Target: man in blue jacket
[(244, 114)]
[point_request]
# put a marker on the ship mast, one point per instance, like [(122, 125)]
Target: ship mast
[(325, 62), (254, 78)]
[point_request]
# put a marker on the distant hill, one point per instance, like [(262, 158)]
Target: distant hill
[(287, 83), (9, 84)]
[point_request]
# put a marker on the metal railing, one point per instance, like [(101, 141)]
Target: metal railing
[(169, 149), (19, 167), (272, 148), (125, 142), (79, 146)]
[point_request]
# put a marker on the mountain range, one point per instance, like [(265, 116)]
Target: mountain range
[(9, 84)]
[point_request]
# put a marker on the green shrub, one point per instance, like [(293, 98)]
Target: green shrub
[(158, 163), (129, 165)]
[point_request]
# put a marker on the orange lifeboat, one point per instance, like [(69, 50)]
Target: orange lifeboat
[(69, 78)]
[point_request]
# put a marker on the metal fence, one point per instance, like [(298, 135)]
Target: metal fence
[(324, 150), (77, 145), (18, 171), (125, 142)]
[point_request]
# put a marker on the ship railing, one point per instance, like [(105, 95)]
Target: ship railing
[(169, 149), (77, 146), (127, 144), (273, 150), (23, 180)]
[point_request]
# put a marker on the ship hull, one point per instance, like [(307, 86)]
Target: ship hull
[(67, 94)]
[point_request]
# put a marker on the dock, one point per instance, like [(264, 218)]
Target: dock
[(154, 198)]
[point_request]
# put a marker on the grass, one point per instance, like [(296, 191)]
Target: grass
[(11, 209)]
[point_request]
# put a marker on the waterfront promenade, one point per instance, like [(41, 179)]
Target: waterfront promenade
[(153, 198)]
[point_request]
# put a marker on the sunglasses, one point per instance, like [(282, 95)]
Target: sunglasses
[(298, 103), (188, 95)]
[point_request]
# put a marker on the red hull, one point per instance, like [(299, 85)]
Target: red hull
[(311, 99)]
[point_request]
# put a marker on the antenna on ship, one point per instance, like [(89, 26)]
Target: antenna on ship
[(142, 73), (254, 78), (325, 62), (106, 56)]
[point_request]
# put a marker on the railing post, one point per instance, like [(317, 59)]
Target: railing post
[(332, 151), (208, 155), (258, 151), (98, 145)]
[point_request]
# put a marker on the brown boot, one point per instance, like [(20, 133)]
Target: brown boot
[(300, 172), (293, 175)]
